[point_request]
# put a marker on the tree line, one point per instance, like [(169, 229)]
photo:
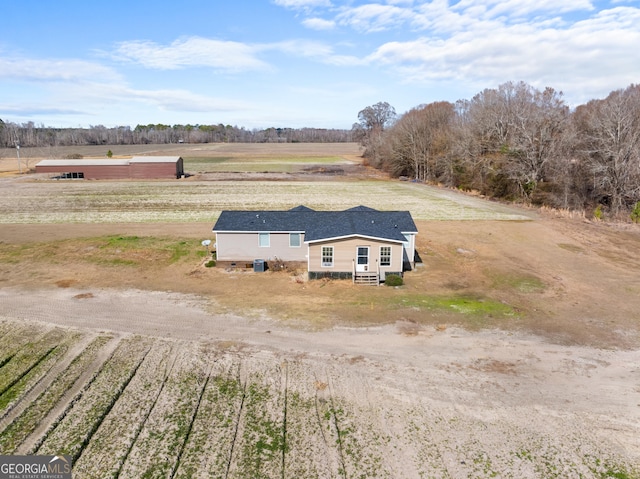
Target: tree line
[(518, 143), (29, 134)]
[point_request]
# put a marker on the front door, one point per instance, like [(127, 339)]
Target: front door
[(362, 259)]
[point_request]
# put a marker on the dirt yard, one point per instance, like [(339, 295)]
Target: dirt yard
[(406, 382)]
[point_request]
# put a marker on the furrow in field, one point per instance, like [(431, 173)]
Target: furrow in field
[(310, 451), (28, 365), (14, 337), (157, 447), (260, 439), (378, 432), (192, 420), (26, 391), (74, 430), (208, 450), (29, 428), (104, 455), (354, 424)]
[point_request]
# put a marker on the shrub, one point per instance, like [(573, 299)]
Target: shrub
[(210, 263), (635, 213), (393, 280), (74, 156), (598, 213)]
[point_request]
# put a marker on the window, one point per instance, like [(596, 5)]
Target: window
[(327, 256), (73, 176), (294, 240), (385, 255), (363, 255), (264, 240)]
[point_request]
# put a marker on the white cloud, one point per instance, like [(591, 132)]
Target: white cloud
[(30, 109), (302, 4), (191, 52), (183, 100), (439, 15), (521, 8), (318, 51), (374, 17), (301, 48), (576, 59), (319, 24), (68, 70)]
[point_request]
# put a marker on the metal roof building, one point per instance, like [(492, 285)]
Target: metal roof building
[(137, 167)]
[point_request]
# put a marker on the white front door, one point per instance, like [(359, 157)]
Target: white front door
[(362, 259)]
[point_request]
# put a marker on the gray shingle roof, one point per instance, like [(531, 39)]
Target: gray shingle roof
[(321, 225)]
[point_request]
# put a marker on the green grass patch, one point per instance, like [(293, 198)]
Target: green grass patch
[(524, 283), (276, 164), (134, 250), (463, 305), (127, 251), (209, 160), (605, 469), (179, 250)]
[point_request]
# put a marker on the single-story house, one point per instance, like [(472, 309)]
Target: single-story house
[(360, 243), (137, 167)]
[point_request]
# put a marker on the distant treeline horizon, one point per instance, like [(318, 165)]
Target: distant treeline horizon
[(31, 135)]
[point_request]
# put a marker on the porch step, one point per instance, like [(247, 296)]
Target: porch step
[(366, 278)]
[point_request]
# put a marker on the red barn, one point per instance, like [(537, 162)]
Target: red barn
[(138, 167)]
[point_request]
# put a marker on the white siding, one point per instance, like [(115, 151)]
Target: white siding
[(245, 247), (344, 253)]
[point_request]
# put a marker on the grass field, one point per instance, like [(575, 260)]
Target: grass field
[(265, 165), (197, 201)]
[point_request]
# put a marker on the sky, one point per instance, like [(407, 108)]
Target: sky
[(298, 63)]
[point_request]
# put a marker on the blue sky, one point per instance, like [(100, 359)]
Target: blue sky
[(298, 63)]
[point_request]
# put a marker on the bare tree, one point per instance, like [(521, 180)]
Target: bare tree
[(609, 140), (539, 121), (369, 130), (421, 140), (518, 127)]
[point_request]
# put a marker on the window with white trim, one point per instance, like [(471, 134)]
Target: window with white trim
[(327, 256), (294, 240), (264, 240), (385, 255)]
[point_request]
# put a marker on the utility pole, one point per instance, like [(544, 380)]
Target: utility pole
[(18, 153)]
